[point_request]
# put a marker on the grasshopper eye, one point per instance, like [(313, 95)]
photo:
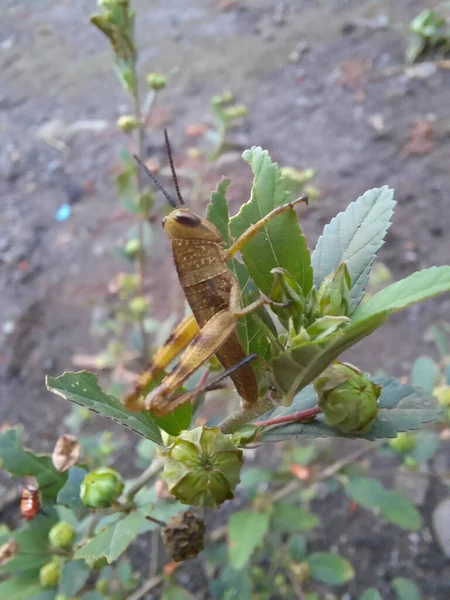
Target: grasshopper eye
[(187, 218)]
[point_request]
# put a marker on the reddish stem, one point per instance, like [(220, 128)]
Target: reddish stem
[(302, 415)]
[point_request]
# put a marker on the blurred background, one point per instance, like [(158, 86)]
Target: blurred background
[(344, 95)]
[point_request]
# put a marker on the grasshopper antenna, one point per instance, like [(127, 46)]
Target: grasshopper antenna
[(172, 168), (158, 184)]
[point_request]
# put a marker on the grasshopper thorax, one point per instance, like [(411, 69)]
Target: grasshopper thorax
[(184, 224)]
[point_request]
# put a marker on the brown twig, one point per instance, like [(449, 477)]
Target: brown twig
[(302, 415)]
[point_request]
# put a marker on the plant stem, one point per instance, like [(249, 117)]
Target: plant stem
[(244, 415), (302, 415), (148, 585), (145, 477), (140, 135)]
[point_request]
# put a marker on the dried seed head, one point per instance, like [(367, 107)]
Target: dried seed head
[(184, 536)]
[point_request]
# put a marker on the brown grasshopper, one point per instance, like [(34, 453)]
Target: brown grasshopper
[(213, 294)]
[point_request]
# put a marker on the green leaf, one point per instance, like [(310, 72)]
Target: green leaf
[(406, 589), (246, 531), (252, 328), (355, 236), (20, 463), (393, 506), (82, 388), (414, 48), (125, 574), (177, 421), (371, 594), (280, 243), (253, 476), (427, 442), (69, 495), (115, 538), (20, 589), (297, 547), (400, 408), (330, 568), (175, 592), (217, 210), (231, 584), (74, 575), (288, 518), (424, 373), (417, 287), (92, 596)]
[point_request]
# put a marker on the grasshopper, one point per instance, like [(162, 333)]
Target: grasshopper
[(213, 294)]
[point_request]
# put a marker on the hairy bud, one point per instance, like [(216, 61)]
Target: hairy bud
[(49, 573), (348, 398), (156, 81), (61, 535), (101, 487)]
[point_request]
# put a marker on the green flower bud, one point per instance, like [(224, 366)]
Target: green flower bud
[(156, 81), (50, 572), (236, 111), (61, 535), (287, 291), (139, 306), (102, 586), (404, 442), (442, 395), (101, 487), (301, 572), (132, 248), (202, 467), (410, 463), (348, 398), (96, 563), (127, 123), (334, 293)]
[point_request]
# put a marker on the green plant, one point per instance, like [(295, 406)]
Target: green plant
[(427, 31), (226, 115)]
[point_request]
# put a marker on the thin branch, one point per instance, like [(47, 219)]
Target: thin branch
[(148, 585), (144, 478), (302, 415)]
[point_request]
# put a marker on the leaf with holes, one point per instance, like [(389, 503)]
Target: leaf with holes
[(354, 236), (280, 243), (401, 408), (83, 389)]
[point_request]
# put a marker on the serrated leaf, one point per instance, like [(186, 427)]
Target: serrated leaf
[(280, 243), (406, 589), (74, 575), (82, 388), (424, 373), (419, 286), (217, 210), (354, 236), (400, 408), (288, 518), (371, 594), (246, 531), (69, 495), (20, 463), (115, 538), (330, 568), (393, 506)]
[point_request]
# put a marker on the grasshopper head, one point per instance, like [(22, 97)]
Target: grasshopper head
[(184, 224)]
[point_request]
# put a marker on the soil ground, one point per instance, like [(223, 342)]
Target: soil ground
[(345, 107)]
